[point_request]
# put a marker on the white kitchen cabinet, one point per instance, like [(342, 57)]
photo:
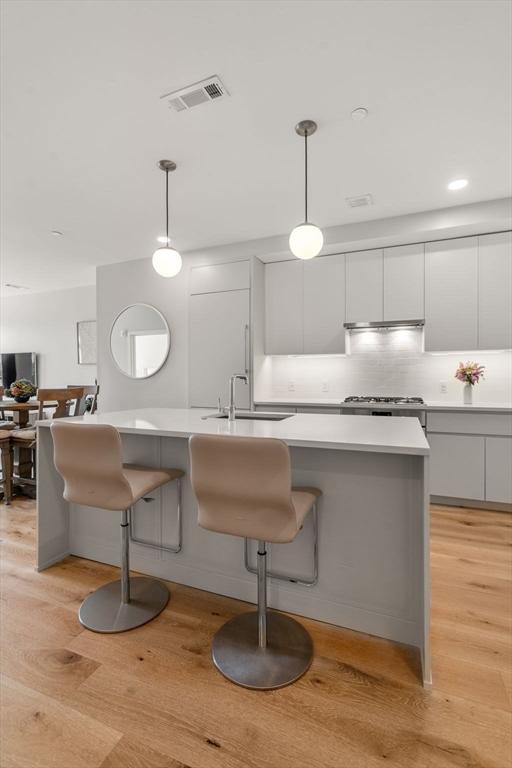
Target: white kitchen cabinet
[(457, 466), (404, 282), (219, 347), (324, 305), (451, 294), (495, 291), (498, 469), (212, 278), (284, 308), (364, 282)]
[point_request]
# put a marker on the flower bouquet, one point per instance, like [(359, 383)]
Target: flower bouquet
[(22, 390), (470, 374)]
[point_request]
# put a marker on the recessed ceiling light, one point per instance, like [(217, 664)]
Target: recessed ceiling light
[(359, 114), (56, 233), (457, 184), (162, 239)]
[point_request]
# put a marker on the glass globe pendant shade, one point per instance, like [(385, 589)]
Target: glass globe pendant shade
[(167, 262), (306, 241)]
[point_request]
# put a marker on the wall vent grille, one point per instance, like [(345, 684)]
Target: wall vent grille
[(360, 201), (210, 89)]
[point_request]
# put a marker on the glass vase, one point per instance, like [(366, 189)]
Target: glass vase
[(468, 394)]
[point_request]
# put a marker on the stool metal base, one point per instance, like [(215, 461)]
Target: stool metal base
[(103, 611), (237, 655)]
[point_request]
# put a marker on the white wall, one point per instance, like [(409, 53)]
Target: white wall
[(383, 362), (45, 323)]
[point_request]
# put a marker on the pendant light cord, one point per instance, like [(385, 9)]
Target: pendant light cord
[(167, 206), (306, 177)]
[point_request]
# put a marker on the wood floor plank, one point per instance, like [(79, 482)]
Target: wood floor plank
[(38, 732), (151, 698), (129, 754)]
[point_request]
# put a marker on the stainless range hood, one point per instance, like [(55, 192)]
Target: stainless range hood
[(384, 324)]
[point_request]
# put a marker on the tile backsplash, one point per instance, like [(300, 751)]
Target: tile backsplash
[(385, 362)]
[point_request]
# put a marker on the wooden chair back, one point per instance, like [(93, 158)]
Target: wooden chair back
[(63, 396), (90, 392)]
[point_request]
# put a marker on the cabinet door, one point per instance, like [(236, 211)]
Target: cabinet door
[(324, 305), (364, 276), (284, 308), (495, 291), (404, 282), (451, 295), (219, 347), (498, 469), (457, 465), (212, 278)]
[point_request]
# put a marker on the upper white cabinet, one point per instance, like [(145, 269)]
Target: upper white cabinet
[(232, 276), (305, 306), (284, 297), (324, 305), (495, 291), (451, 294), (364, 293), (404, 282)]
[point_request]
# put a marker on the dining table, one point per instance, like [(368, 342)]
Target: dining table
[(20, 411)]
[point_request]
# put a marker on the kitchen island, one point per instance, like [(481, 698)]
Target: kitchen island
[(373, 530)]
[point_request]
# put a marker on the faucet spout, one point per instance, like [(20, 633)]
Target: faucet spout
[(232, 382)]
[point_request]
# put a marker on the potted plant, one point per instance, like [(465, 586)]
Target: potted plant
[(22, 390), (470, 374)]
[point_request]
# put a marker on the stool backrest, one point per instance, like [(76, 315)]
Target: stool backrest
[(89, 459), (89, 394), (242, 485)]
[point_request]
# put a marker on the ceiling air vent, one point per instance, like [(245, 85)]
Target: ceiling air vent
[(210, 89), (359, 202)]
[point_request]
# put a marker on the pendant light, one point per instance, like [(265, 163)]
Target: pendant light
[(167, 260), (306, 240)]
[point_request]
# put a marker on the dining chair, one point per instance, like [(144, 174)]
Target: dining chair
[(90, 395), (25, 440)]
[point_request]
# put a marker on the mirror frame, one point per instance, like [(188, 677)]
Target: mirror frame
[(150, 306)]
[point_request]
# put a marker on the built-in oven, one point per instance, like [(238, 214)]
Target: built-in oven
[(411, 412)]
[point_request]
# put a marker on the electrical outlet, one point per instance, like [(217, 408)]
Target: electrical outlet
[(325, 386), (291, 386), (443, 387)]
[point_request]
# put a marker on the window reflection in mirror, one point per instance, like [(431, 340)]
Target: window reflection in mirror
[(139, 341)]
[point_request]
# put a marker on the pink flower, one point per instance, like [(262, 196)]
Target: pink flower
[(470, 373)]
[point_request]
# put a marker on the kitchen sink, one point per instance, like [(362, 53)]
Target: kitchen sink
[(252, 415)]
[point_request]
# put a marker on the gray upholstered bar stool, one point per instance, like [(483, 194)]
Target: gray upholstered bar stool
[(243, 488), (89, 459)]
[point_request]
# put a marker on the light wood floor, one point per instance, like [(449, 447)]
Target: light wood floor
[(150, 698)]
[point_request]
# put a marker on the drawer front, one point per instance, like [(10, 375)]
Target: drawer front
[(318, 409), (275, 408), (470, 423), (457, 466), (498, 469)]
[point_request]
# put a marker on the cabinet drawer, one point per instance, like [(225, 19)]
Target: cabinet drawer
[(457, 465), (318, 409), (213, 278), (470, 423), (498, 469)]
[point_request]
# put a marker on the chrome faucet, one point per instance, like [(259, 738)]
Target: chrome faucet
[(232, 380)]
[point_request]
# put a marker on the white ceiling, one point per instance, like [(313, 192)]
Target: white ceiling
[(83, 126)]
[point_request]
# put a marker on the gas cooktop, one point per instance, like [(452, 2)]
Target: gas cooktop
[(390, 400)]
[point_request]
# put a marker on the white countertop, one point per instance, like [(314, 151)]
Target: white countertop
[(429, 405), (348, 433)]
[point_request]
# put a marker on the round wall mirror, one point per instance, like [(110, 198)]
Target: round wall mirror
[(140, 341)]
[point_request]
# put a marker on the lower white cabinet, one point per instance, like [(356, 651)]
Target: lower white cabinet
[(219, 347), (498, 469), (457, 466)]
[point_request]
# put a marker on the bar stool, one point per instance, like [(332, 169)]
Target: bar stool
[(6, 460), (243, 488), (89, 459)]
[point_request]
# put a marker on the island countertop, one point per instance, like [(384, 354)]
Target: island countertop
[(401, 435)]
